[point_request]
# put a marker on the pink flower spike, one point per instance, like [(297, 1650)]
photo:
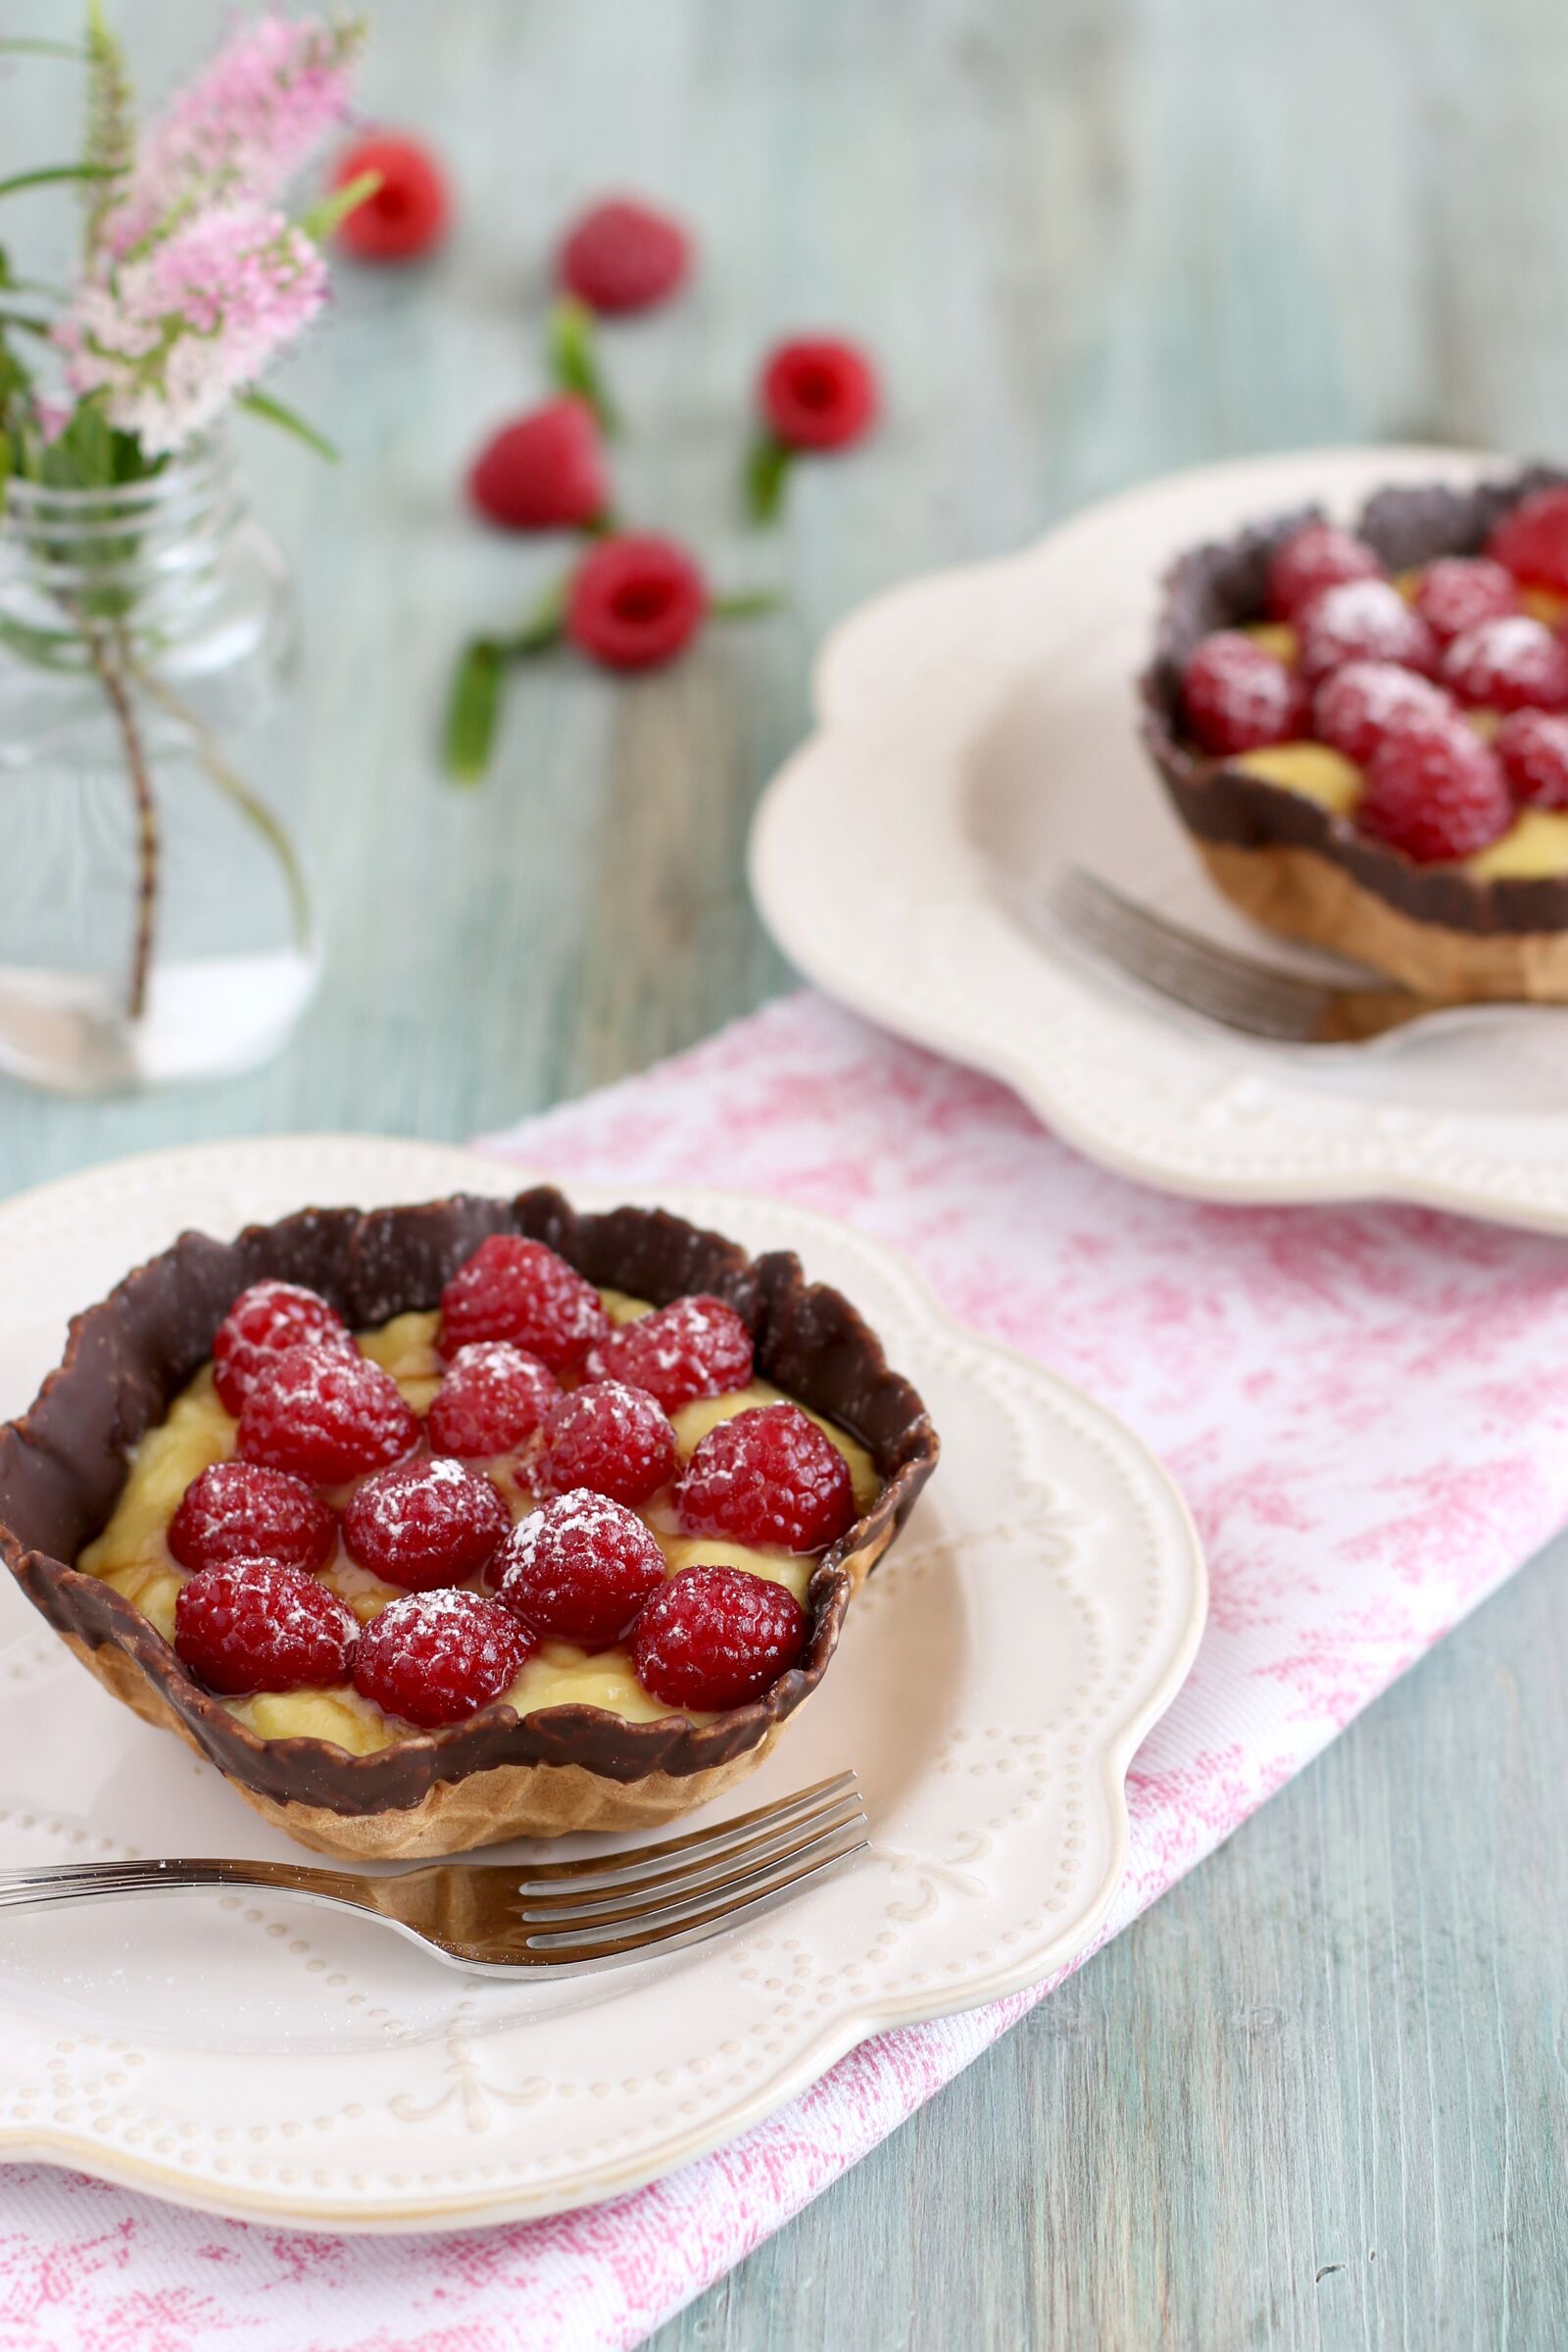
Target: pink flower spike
[(170, 335), (242, 127)]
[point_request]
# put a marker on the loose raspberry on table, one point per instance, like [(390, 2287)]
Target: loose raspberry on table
[(437, 1657), (1435, 792), (253, 1625), (695, 1347), (1364, 621), (715, 1638), (241, 1511), (635, 602), (624, 255), (407, 215), (1531, 747), (613, 1440), (1356, 707), (1532, 540), (493, 1397), (1316, 557), (325, 1415), (522, 1291), (580, 1569), (262, 1322), (1238, 698), (1456, 592), (768, 1476), (426, 1523), (817, 393), (1515, 663), (544, 471)]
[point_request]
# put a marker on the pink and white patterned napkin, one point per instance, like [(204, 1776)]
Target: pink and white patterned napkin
[(1366, 1410)]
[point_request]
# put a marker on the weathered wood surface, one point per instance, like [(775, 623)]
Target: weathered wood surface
[(1317, 2098)]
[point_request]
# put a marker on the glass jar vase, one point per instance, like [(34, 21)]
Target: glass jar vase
[(156, 919)]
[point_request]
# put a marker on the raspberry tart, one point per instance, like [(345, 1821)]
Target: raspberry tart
[(1365, 731), (441, 1525)]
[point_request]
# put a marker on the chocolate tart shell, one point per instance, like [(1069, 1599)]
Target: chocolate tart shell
[(64, 1465), (1301, 869)]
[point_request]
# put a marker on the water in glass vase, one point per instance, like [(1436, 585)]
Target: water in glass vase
[(158, 922)]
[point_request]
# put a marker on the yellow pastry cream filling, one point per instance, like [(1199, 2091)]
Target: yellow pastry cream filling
[(132, 1554)]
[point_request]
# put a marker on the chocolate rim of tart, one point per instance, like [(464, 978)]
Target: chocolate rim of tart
[(64, 1465), (1232, 812)]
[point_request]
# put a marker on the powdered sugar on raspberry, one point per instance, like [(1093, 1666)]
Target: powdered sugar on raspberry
[(1364, 621), (695, 1347), (606, 1436), (580, 1569)]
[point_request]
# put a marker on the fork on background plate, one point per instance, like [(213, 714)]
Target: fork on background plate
[(1254, 1000), (538, 1919)]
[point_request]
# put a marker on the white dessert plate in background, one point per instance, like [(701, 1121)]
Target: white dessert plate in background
[(993, 1681), (977, 730)]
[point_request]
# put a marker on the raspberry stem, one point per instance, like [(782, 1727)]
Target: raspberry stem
[(573, 360), (767, 468)]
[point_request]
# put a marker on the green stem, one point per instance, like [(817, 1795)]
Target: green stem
[(249, 803), (111, 669)]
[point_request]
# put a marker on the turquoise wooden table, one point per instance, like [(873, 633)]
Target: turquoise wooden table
[(1317, 2097)]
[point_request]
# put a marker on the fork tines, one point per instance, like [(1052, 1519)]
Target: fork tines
[(1208, 979), (578, 1915)]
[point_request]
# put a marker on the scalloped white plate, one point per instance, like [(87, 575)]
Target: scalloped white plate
[(994, 1680), (976, 730)]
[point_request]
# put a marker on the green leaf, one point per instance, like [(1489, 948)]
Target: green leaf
[(32, 48), (572, 357), (767, 473), (472, 711), (53, 172), (474, 707), (749, 603), (321, 220), (5, 467), (274, 411)]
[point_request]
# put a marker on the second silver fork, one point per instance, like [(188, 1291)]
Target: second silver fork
[(541, 1919)]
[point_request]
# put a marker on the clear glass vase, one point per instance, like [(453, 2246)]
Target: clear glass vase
[(157, 921)]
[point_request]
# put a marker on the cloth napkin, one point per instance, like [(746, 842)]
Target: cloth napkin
[(1366, 1410)]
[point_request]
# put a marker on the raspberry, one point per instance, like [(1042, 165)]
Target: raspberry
[(436, 1657), (407, 215), (580, 1569), (1533, 748), (623, 256), (1311, 560), (1456, 592), (768, 1477), (517, 1290), (1510, 664), (715, 1637), (325, 1415), (1358, 705), (635, 602), (608, 1437), (816, 393), (697, 1347), (262, 1322), (544, 471), (252, 1625), (1435, 792), (492, 1397), (1364, 621), (1532, 540), (424, 1523), (1238, 698), (239, 1511)]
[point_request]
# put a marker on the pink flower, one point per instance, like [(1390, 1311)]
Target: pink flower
[(243, 127), (168, 336)]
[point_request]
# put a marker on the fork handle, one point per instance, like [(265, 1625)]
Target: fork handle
[(107, 1881)]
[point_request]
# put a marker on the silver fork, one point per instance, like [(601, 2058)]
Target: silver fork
[(1255, 999), (544, 1919)]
